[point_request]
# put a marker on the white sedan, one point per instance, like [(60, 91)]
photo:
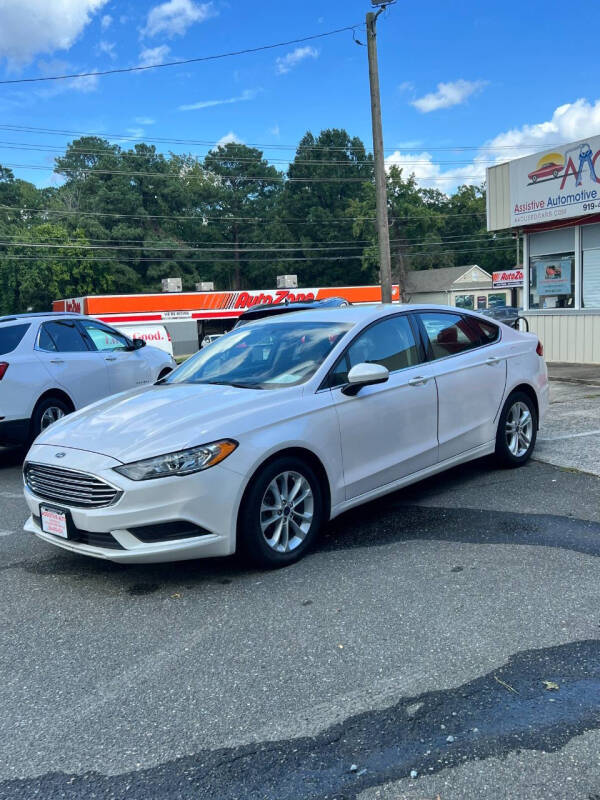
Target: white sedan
[(281, 425), (52, 364)]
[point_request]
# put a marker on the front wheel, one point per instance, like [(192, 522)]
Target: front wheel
[(517, 430), (281, 514)]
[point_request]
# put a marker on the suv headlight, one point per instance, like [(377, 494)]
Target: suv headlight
[(183, 462)]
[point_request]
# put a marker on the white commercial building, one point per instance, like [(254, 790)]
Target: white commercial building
[(552, 199)]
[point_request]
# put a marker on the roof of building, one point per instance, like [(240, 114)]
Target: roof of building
[(438, 280)]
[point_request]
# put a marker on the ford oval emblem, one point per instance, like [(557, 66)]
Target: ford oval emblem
[(60, 455)]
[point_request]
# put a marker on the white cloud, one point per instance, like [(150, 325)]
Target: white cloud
[(448, 95), (407, 86), (145, 121), (154, 55), (275, 131), (286, 63), (107, 48), (30, 27), (135, 134), (174, 17), (569, 122), (229, 138), (249, 94), (106, 22)]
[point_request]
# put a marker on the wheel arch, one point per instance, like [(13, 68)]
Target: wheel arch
[(60, 394), (298, 452), (528, 389)]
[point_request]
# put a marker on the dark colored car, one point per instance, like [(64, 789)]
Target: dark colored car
[(272, 310), (506, 314)]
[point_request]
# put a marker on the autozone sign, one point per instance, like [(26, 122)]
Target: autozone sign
[(244, 300), (507, 278)]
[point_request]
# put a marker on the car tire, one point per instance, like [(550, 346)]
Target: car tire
[(48, 410), (517, 430), (280, 517)]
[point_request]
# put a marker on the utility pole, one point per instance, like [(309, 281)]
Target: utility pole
[(383, 232)]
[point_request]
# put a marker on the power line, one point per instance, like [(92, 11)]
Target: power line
[(187, 249), (173, 244), (280, 177), (180, 62), (226, 219), (281, 260), (204, 143), (38, 148)]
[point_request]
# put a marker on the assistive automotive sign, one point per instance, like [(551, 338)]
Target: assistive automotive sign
[(560, 183)]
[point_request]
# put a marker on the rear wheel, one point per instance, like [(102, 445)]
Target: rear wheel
[(282, 513), (517, 430), (48, 411)]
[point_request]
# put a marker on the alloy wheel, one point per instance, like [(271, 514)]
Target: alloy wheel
[(518, 429), (286, 511), (51, 415)]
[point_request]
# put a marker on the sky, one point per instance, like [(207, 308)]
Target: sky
[(463, 84)]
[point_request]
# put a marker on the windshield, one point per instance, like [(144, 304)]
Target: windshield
[(263, 355)]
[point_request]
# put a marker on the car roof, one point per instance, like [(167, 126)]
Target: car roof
[(357, 314), (40, 315)]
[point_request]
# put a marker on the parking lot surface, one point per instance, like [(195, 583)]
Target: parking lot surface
[(415, 639)]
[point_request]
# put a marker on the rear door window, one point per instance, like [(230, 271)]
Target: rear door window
[(11, 337), (488, 332), (448, 334), (61, 337)]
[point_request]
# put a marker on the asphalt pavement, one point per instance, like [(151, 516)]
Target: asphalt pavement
[(449, 632)]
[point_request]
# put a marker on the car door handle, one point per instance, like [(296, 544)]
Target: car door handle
[(418, 381), (56, 361), (110, 358), (492, 360)]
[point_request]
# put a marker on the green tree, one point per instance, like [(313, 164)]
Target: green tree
[(242, 187), (32, 276), (328, 177)]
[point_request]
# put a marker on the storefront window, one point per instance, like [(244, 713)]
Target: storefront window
[(591, 279), (497, 300), (552, 281), (464, 301), (590, 290)]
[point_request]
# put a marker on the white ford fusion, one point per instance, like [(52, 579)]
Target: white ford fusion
[(281, 425)]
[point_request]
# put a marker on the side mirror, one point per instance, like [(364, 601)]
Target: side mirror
[(365, 375), (138, 344)]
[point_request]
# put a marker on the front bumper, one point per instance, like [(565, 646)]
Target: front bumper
[(208, 500)]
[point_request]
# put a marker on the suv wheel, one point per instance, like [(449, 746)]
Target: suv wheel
[(47, 411)]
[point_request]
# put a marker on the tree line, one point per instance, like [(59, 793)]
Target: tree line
[(122, 219)]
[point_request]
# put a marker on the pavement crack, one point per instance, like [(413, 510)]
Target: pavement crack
[(475, 721)]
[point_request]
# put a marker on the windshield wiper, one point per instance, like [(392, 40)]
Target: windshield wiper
[(228, 383)]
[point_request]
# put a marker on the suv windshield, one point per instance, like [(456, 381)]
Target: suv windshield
[(11, 337), (263, 355)]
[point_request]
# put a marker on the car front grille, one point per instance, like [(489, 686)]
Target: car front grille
[(68, 487)]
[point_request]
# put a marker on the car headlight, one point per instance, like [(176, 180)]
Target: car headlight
[(183, 462)]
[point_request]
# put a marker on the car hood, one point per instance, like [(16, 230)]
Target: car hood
[(161, 419)]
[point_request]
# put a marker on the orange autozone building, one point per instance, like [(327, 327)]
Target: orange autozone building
[(189, 316)]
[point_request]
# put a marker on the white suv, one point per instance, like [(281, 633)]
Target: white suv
[(53, 364)]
